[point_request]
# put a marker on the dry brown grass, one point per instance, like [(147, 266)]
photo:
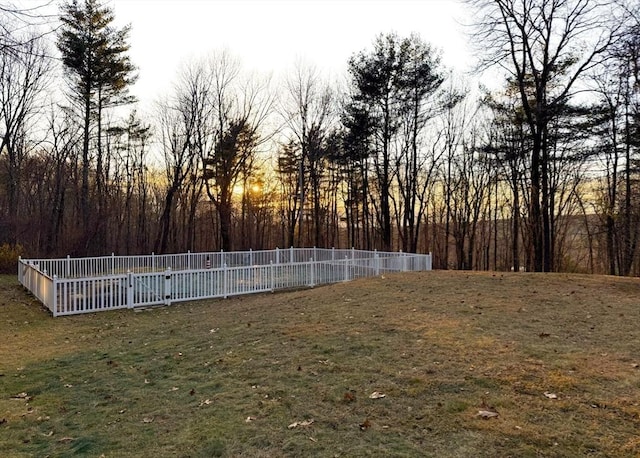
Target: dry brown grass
[(227, 377)]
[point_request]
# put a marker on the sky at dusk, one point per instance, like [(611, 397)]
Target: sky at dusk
[(270, 36)]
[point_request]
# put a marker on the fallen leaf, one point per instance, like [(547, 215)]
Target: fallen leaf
[(313, 439), (174, 388), (192, 392), (377, 395), (302, 423), (147, 420), (349, 397), (122, 411), (146, 381), (486, 414), (550, 395), (366, 424), (544, 334), (206, 402), (249, 419), (68, 385), (22, 396), (66, 439)]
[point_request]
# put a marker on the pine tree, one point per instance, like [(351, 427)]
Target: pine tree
[(99, 71)]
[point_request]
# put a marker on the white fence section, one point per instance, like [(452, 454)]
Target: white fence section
[(83, 285)]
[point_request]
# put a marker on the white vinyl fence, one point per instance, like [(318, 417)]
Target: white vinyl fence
[(83, 285)]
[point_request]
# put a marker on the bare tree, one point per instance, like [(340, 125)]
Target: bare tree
[(421, 80), (546, 47), (24, 76), (616, 128), (128, 188), (240, 106), (14, 20), (453, 124), (508, 143), (177, 119), (307, 109), (64, 136)]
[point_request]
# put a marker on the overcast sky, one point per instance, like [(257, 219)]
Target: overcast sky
[(271, 35)]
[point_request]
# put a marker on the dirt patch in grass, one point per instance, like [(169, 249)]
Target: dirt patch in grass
[(556, 357)]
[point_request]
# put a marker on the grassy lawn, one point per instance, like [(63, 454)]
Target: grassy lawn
[(292, 373)]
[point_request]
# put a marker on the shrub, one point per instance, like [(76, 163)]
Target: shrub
[(9, 255)]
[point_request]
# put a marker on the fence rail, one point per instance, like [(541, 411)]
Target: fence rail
[(83, 285)]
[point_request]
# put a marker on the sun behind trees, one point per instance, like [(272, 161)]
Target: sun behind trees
[(537, 170)]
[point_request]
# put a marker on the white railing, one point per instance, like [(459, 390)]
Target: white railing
[(83, 285)]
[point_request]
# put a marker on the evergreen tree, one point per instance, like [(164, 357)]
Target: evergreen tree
[(94, 54), (391, 86)]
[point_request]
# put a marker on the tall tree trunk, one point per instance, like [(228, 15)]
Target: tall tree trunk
[(162, 239), (84, 189), (534, 211), (515, 249)]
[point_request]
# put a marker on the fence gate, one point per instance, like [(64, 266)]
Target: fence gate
[(148, 289)]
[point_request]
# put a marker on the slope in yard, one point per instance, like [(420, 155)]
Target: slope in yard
[(426, 364)]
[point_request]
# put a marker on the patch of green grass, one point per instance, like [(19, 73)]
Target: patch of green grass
[(232, 377)]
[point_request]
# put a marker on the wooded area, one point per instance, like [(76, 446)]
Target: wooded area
[(537, 172)]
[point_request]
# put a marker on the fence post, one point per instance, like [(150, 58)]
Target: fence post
[(291, 255), (272, 275), (153, 262), (250, 256), (225, 280), (68, 267), (129, 289), (333, 253), (376, 258), (188, 259), (312, 273), (353, 253), (404, 261), (429, 262), (277, 255), (54, 294), (346, 268), (167, 286)]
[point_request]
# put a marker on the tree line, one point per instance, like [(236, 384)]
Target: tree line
[(535, 170)]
